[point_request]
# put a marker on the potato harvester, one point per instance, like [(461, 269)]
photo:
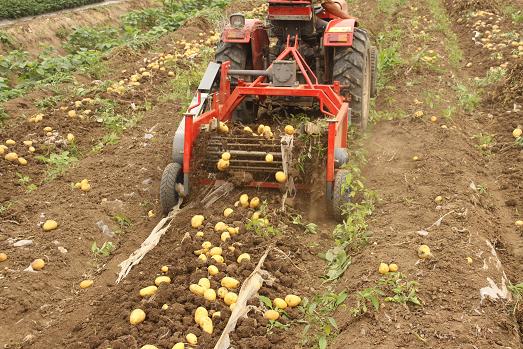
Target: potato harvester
[(300, 57)]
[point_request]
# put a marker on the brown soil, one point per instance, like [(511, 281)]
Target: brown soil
[(50, 30)]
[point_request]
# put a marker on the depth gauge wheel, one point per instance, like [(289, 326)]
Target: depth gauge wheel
[(168, 196), (353, 67), (240, 58), (340, 195)]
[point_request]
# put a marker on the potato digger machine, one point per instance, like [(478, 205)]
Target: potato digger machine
[(300, 57)]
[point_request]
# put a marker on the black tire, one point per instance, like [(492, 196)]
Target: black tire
[(374, 71), (352, 67), (239, 56), (168, 195), (340, 195)]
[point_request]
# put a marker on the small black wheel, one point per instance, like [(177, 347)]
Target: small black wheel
[(170, 177), (340, 194), (374, 71)]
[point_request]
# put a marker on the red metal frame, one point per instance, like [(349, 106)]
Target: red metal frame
[(332, 104)]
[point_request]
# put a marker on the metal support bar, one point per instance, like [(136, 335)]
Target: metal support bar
[(242, 72)]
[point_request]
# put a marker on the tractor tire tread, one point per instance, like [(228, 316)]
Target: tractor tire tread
[(168, 194)]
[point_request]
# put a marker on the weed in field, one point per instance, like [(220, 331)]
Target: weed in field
[(109, 139), (92, 38), (485, 141), (513, 13), (442, 24), (369, 296), (468, 98), (519, 141), (25, 181), (390, 6), (317, 313), (261, 227), (122, 221), (403, 291), (389, 59), (272, 324), (337, 263), (5, 206), (49, 102), (449, 112), (3, 115), (517, 294), (310, 228), (7, 40), (57, 163), (104, 250), (493, 76)]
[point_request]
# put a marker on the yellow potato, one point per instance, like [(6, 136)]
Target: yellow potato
[(226, 156), (243, 257), (149, 346), (137, 316), (71, 113), (71, 137), (38, 264), (225, 236), (393, 267), (10, 142), (197, 289), (255, 202), (244, 200), (178, 345), (220, 226), (11, 156), (50, 225), (424, 252), (191, 339), (279, 303), (228, 212), (271, 315), (32, 149), (197, 221), (200, 313), (383, 268), (218, 259), (28, 143), (269, 158), (86, 283), (22, 161), (202, 257), (230, 283), (292, 300), (205, 283), (289, 130), (85, 187), (230, 298), (206, 325), (281, 177), (209, 294), (206, 245), (3, 257), (517, 132), (162, 280), (222, 291), (164, 269), (148, 291), (216, 251), (213, 270)]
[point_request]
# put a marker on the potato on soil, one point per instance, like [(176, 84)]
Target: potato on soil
[(137, 316), (228, 212), (216, 251), (38, 264), (205, 283), (222, 291), (11, 157), (383, 268), (22, 161), (178, 345), (197, 221), (206, 325), (244, 200), (86, 284), (3, 257), (162, 280), (213, 270), (148, 291), (292, 300), (220, 226), (10, 142), (209, 294), (230, 298), (281, 177), (49, 225), (424, 252), (197, 289), (519, 223), (230, 283), (517, 132), (269, 158), (200, 313), (218, 259), (271, 315), (289, 130), (393, 267), (279, 303), (149, 346), (255, 202), (243, 257), (191, 339)]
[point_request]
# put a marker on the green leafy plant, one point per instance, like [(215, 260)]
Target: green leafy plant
[(310, 228), (5, 206), (122, 221), (22, 8), (57, 163), (369, 296), (468, 98), (403, 291), (517, 294), (317, 314), (337, 262), (104, 251)]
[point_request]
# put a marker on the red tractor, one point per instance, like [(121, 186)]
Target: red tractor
[(301, 57)]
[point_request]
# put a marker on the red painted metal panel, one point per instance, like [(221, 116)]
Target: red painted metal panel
[(335, 31), (290, 11)]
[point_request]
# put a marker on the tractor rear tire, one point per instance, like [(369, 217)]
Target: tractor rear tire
[(374, 71), (352, 67), (340, 195), (168, 195), (238, 55)]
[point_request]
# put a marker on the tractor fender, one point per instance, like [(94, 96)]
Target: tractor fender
[(178, 143), (252, 34), (339, 32)]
